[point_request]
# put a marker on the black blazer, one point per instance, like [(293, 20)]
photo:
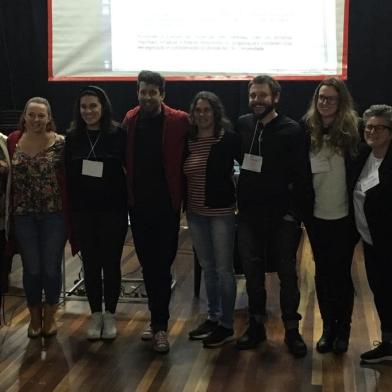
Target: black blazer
[(378, 200)]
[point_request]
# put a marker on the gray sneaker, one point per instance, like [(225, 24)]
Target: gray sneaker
[(94, 329), (147, 334), (109, 331), (160, 342)]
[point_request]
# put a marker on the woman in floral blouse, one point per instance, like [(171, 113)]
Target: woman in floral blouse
[(36, 152)]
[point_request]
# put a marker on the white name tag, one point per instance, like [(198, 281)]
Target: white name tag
[(320, 164), (252, 163), (92, 168), (370, 182)]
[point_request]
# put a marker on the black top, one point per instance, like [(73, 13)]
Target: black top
[(149, 185), (377, 206), (220, 191), (284, 184), (87, 193)]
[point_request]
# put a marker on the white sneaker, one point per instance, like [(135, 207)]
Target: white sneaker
[(95, 326), (109, 330), (147, 334)]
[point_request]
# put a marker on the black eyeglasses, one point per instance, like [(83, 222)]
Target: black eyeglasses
[(376, 128), (329, 99)]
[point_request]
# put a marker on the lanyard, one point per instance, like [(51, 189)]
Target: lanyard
[(260, 138), (92, 146)]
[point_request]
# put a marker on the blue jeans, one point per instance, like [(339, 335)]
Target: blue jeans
[(213, 240), (41, 240)]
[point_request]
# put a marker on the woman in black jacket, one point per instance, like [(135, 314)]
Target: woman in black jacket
[(95, 161), (210, 206), (372, 196)]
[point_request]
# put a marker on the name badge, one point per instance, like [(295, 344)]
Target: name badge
[(252, 163), (320, 164), (370, 182), (92, 168)]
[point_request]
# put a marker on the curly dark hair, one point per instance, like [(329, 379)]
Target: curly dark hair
[(220, 119)]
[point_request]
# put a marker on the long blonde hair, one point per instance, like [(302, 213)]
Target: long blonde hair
[(343, 132)]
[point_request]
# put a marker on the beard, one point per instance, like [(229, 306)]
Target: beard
[(149, 109), (267, 110)]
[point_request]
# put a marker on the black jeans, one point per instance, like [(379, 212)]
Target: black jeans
[(258, 241), (101, 236), (379, 272), (333, 247), (155, 235)]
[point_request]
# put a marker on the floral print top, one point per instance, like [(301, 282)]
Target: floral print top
[(34, 181)]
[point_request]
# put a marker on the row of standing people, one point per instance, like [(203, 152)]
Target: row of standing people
[(290, 174), (317, 172)]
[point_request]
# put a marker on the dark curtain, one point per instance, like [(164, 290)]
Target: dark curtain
[(23, 66)]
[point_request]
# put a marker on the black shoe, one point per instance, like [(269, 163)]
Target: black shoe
[(325, 344), (203, 330), (295, 343), (218, 337), (383, 352), (254, 335), (340, 344)]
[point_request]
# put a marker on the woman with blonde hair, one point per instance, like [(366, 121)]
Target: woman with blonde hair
[(331, 123), (36, 153)]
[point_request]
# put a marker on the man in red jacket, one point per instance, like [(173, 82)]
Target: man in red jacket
[(155, 147)]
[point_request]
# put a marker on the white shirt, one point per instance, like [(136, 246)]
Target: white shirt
[(369, 169), (330, 188)]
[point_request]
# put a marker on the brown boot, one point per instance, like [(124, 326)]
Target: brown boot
[(49, 322), (35, 327)]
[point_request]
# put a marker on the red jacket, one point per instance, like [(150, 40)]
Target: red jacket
[(175, 128)]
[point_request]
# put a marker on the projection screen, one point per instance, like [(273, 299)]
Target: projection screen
[(197, 40)]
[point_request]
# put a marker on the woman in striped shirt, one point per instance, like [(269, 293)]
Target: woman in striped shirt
[(212, 149)]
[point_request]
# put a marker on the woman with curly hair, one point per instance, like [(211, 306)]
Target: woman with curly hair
[(208, 168), (332, 125)]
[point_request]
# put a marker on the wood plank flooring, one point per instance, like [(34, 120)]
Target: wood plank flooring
[(69, 362)]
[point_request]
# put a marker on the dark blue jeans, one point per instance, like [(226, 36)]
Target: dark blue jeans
[(213, 240), (257, 242), (41, 240)]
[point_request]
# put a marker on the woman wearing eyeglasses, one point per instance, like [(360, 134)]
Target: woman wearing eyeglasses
[(332, 126), (372, 196)]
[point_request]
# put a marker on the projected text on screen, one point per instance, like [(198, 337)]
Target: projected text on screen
[(204, 39)]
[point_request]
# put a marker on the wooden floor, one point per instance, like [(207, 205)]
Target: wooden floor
[(69, 362)]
